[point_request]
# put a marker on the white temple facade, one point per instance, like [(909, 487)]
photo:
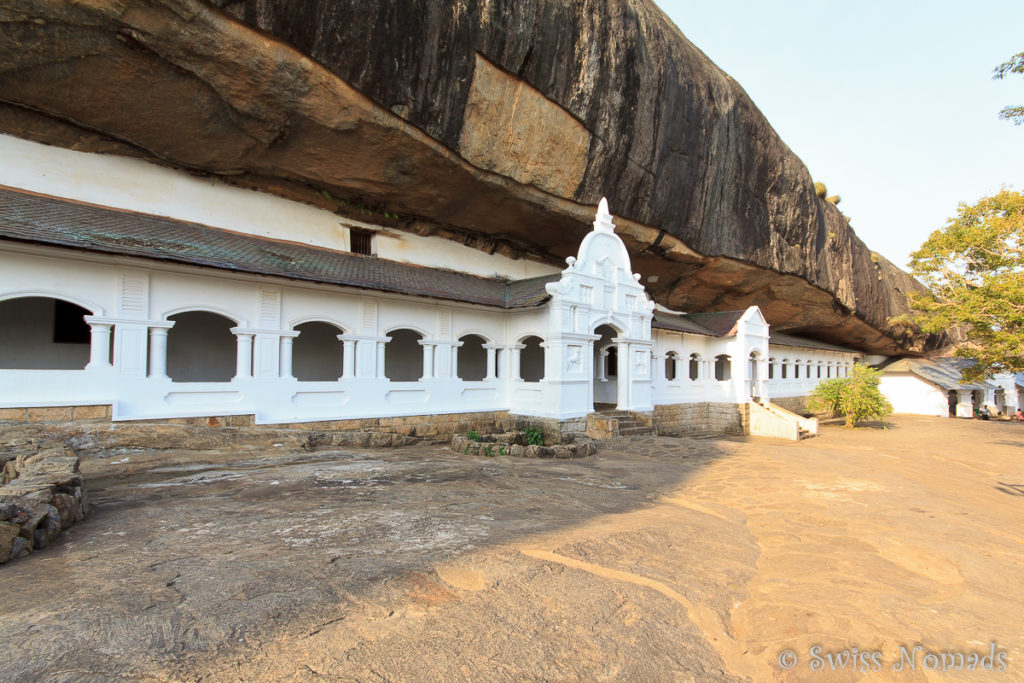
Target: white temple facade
[(129, 285)]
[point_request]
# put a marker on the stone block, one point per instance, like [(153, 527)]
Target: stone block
[(91, 412), (50, 414), (8, 532), (18, 414), (241, 420)]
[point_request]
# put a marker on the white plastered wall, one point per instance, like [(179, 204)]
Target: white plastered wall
[(909, 393)]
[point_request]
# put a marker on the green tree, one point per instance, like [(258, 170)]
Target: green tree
[(856, 397), (974, 269), (1015, 65)]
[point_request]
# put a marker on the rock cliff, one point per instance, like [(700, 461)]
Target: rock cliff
[(496, 123)]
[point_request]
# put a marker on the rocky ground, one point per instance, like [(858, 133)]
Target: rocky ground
[(656, 559)]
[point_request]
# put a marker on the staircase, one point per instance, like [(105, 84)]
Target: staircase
[(768, 419), (608, 423)]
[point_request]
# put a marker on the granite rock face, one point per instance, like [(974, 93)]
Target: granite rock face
[(495, 123)]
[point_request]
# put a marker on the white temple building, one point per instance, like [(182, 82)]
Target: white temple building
[(164, 295)]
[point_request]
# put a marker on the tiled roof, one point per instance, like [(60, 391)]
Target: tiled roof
[(718, 324), (31, 218), (944, 372), (779, 339)]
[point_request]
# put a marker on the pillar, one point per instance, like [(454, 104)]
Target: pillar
[(158, 352), (625, 375), (99, 344), (492, 361), (516, 349), (428, 359), (286, 357), (348, 357), (243, 367), (379, 374)]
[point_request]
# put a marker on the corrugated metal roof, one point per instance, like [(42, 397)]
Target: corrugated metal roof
[(779, 339), (31, 218), (944, 372)]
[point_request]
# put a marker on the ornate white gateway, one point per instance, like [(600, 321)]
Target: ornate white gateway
[(599, 289)]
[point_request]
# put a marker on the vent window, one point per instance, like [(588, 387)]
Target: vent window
[(360, 241)]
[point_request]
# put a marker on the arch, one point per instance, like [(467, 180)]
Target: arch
[(783, 366), (771, 368), (531, 359), (201, 347), (475, 332), (406, 326), (92, 307), (695, 360), (317, 353), (403, 355), (317, 319), (671, 358), (828, 370), (723, 367), (43, 333), (619, 326), (754, 357), (238, 322), (471, 365)]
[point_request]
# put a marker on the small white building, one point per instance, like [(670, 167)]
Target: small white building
[(932, 386), (164, 296)]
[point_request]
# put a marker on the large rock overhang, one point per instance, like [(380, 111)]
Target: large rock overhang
[(496, 124)]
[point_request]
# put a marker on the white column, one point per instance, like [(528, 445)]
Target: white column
[(379, 374), (428, 359), (492, 357), (677, 364), (625, 375), (286, 356), (601, 362), (99, 343), (158, 351), (516, 349), (348, 357), (243, 366)]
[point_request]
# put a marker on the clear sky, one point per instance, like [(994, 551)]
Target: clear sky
[(890, 104)]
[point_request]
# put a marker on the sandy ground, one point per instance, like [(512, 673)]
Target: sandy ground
[(657, 559)]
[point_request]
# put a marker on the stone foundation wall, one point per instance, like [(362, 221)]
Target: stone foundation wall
[(55, 414), (41, 495), (685, 419), (794, 404), (555, 431)]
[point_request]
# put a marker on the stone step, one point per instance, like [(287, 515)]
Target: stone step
[(635, 431)]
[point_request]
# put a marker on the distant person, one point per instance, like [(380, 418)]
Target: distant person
[(1019, 417)]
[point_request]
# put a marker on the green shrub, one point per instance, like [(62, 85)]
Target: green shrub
[(488, 450), (534, 436), (472, 435), (856, 397)]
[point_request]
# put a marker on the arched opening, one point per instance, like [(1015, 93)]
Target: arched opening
[(819, 370), (42, 333), (403, 356), (317, 353), (785, 368), (201, 348), (771, 368), (606, 365), (671, 358), (952, 398), (472, 358), (531, 360), (723, 368), (755, 357), (694, 367)]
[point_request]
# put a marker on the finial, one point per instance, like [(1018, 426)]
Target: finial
[(571, 260), (604, 218)]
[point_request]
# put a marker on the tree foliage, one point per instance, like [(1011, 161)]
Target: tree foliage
[(974, 269), (1015, 65), (856, 397)]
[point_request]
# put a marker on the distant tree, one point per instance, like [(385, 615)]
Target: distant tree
[(857, 397), (974, 269), (1015, 65)]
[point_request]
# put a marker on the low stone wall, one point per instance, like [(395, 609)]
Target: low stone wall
[(514, 444), (55, 414), (42, 494), (686, 419), (794, 404), (555, 431)]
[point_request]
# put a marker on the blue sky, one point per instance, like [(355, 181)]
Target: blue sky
[(891, 104)]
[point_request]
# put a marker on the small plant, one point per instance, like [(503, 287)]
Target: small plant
[(534, 436), (501, 450), (488, 451), (472, 435)]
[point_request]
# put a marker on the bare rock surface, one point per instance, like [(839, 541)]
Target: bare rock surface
[(496, 124), (656, 559)]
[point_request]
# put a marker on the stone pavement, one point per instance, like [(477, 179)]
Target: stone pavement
[(656, 559)]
